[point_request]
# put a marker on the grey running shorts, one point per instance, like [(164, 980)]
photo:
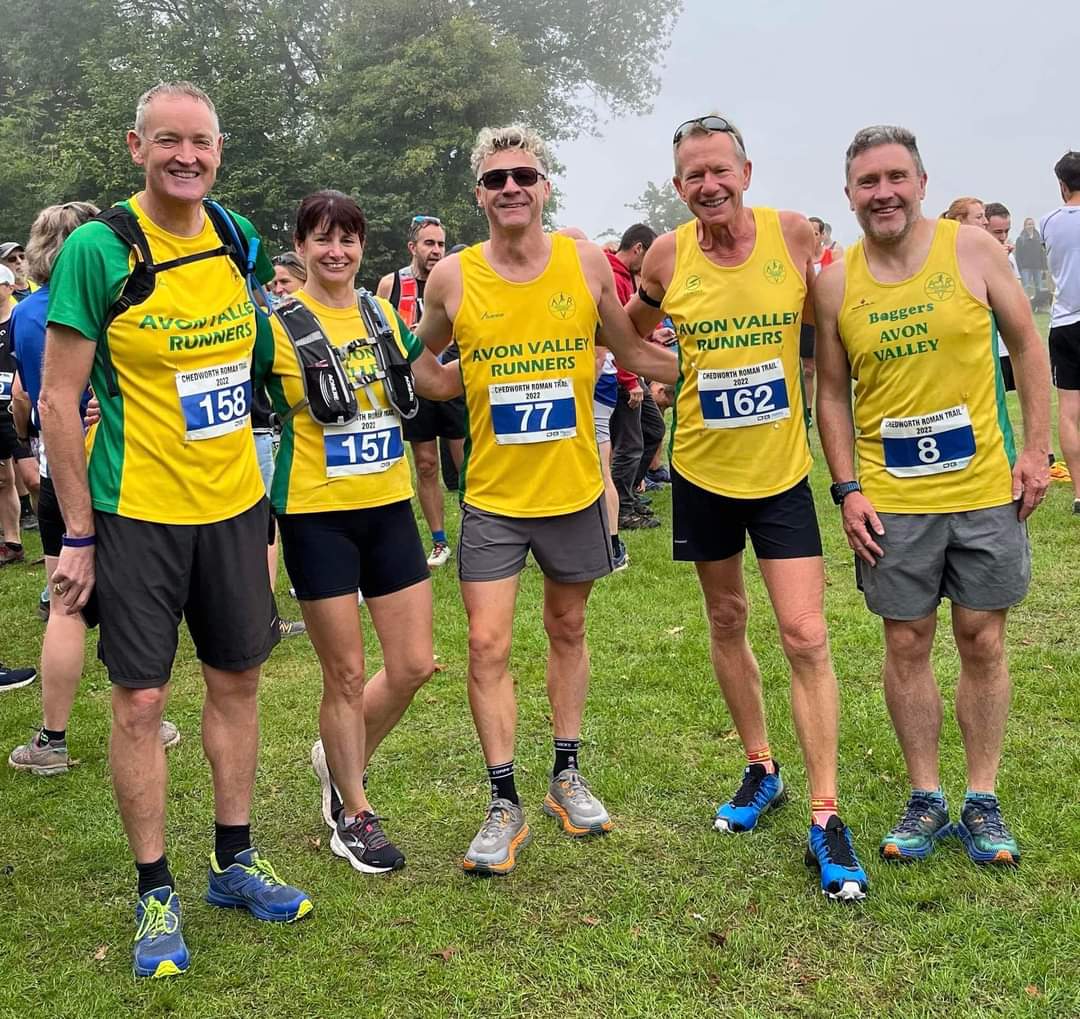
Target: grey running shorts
[(570, 548), (979, 560)]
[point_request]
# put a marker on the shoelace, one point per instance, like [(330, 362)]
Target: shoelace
[(576, 787), (912, 821), (838, 847), (373, 836), (498, 818), (985, 817), (751, 784), (157, 920), (261, 868)]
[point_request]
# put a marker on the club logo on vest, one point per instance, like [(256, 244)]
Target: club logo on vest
[(775, 271), (693, 283), (940, 286), (561, 305)]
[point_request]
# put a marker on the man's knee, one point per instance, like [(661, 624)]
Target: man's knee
[(566, 625), (727, 614), (805, 639), (909, 643), (489, 650), (426, 458), (136, 711), (980, 646)]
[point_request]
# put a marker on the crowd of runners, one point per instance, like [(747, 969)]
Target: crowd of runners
[(159, 338)]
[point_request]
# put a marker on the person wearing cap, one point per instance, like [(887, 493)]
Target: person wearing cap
[(13, 255)]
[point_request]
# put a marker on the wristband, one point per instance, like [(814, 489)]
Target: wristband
[(85, 541)]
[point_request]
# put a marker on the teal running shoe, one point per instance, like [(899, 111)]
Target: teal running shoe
[(830, 850), (984, 833), (925, 820), (759, 792), (159, 944), (252, 884)]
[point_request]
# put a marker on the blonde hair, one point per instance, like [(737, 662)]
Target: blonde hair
[(47, 235), (514, 136), (174, 89), (959, 208)]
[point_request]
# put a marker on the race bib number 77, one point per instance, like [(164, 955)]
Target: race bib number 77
[(540, 411)]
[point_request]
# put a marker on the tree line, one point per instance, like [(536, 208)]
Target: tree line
[(378, 98)]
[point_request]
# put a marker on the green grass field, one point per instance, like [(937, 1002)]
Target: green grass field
[(664, 917)]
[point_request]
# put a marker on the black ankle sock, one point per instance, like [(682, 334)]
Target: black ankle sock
[(615, 543), (502, 782), (15, 546), (25, 505), (566, 754), (53, 736), (230, 839), (154, 875)]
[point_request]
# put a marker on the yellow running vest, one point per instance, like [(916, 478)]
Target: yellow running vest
[(932, 432), (529, 367), (740, 422), (345, 467)]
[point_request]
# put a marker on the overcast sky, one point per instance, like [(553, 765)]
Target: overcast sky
[(990, 90)]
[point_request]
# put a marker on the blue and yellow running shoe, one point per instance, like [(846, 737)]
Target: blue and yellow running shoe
[(830, 850), (925, 820), (759, 792), (984, 833), (159, 944), (252, 884)]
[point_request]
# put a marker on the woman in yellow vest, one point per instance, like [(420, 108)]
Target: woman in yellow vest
[(341, 494)]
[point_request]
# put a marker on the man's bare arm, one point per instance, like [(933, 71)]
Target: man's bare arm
[(655, 278), (386, 286), (435, 381), (442, 297), (69, 357)]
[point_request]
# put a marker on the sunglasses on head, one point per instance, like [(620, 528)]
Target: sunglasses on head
[(710, 123), (524, 177), (426, 221)]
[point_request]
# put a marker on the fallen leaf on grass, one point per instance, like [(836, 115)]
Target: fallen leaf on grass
[(103, 950), (402, 921), (696, 916), (1032, 991), (590, 921), (717, 939), (446, 954), (675, 631), (635, 932), (314, 841), (441, 666)]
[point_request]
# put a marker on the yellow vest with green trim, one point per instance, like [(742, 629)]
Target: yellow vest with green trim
[(932, 431), (528, 365), (740, 421)]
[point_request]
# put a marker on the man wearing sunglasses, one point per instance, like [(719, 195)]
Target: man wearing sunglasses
[(735, 283), (525, 309), (13, 255), (435, 419)]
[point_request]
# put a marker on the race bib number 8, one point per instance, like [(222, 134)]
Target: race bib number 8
[(539, 411), (738, 397), (931, 444), (215, 401), (369, 445)]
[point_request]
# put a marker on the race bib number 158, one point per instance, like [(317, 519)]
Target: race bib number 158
[(215, 401)]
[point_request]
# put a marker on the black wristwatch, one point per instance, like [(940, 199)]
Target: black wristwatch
[(842, 489)]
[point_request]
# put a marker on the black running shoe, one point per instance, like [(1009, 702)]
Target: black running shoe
[(365, 845)]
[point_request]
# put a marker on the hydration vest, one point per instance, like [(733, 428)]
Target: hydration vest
[(410, 302)]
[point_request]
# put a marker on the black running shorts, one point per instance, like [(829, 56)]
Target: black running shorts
[(707, 527), (807, 336), (50, 522), (1065, 356), (214, 575), (376, 551), (436, 419)]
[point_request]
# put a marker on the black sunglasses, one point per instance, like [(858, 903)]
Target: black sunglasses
[(524, 177), (710, 123)]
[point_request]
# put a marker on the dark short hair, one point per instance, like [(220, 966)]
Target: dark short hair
[(820, 222), (330, 209), (996, 209), (639, 233), (1067, 170)]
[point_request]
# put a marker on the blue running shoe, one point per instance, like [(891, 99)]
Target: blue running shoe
[(830, 850), (925, 821), (758, 793), (159, 945), (984, 833), (252, 884)]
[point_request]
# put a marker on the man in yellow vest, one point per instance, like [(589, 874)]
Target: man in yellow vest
[(937, 505), (524, 308), (165, 506), (734, 281)]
